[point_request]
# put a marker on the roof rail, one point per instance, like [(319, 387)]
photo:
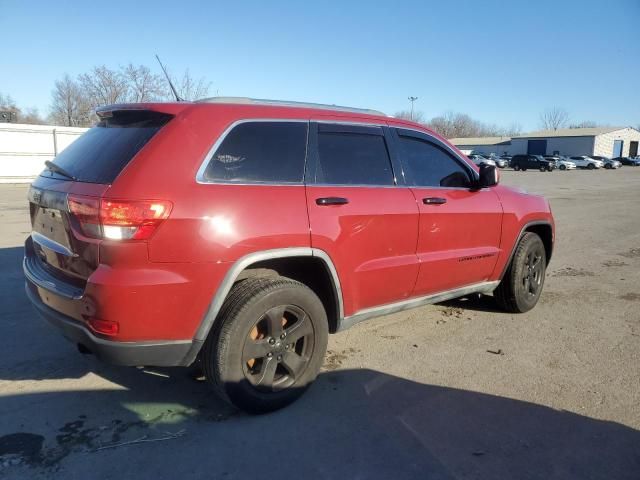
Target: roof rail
[(285, 103)]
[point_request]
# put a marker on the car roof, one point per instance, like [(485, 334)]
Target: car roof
[(243, 107)]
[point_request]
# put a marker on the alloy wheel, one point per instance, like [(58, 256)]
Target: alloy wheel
[(278, 348)]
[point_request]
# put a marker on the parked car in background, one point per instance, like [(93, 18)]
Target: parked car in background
[(481, 159), (562, 163), (630, 162), (537, 162), (584, 161), (501, 162), (609, 163), (145, 261)]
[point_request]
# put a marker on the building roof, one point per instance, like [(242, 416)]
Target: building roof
[(481, 141), (570, 132)]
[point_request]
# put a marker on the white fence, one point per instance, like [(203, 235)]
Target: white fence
[(24, 148)]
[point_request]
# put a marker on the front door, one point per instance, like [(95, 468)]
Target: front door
[(359, 215), (459, 229)]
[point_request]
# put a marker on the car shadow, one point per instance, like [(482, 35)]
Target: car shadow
[(67, 414), (477, 302), (350, 424)]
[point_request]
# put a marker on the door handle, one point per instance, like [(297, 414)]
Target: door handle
[(331, 201), (434, 200)]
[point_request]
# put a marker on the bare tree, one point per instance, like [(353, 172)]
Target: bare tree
[(103, 86), (70, 106), (144, 86), (554, 118), (418, 116), (513, 129), (31, 116), (189, 88), (7, 104)]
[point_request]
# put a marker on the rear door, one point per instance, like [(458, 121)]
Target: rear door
[(359, 215), (459, 228)]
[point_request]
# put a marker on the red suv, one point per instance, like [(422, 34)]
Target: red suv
[(238, 233)]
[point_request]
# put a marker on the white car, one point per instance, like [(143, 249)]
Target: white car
[(479, 160), (583, 161), (565, 164)]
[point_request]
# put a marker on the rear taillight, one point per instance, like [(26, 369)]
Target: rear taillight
[(118, 219), (104, 327)]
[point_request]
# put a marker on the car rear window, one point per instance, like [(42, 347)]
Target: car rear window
[(260, 152), (100, 154)]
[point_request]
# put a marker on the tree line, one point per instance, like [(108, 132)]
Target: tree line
[(461, 125), (74, 99)]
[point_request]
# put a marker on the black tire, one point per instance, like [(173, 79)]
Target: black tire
[(521, 285), (524, 169), (608, 166), (516, 167), (247, 308), (562, 167), (591, 166), (544, 169)]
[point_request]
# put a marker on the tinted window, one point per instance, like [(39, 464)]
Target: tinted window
[(100, 154), (428, 165), (353, 159), (261, 152)]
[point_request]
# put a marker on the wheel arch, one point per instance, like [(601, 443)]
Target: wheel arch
[(544, 230), (311, 266)]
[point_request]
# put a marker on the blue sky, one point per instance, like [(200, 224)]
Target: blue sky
[(500, 62)]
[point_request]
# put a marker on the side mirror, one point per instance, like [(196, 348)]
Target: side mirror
[(489, 176)]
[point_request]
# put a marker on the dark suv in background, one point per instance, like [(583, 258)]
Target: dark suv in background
[(538, 162)]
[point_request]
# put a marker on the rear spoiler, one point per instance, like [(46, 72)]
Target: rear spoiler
[(172, 108)]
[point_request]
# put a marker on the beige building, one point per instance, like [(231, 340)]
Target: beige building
[(603, 141)]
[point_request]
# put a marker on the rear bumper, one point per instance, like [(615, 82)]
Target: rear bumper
[(148, 353)]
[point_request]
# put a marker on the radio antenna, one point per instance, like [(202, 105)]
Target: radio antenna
[(173, 89)]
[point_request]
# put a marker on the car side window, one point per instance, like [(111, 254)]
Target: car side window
[(260, 152), (356, 157), (428, 165)]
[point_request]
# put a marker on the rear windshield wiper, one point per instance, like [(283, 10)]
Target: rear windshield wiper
[(58, 169)]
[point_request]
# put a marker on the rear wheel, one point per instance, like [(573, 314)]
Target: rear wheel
[(269, 344), (544, 169), (522, 283), (516, 167)]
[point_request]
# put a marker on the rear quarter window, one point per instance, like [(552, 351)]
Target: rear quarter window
[(100, 154), (260, 152)]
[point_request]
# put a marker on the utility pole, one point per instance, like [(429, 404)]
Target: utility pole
[(412, 99)]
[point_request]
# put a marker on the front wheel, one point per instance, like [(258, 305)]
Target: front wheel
[(563, 167), (522, 283), (269, 344), (516, 167), (591, 166)]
